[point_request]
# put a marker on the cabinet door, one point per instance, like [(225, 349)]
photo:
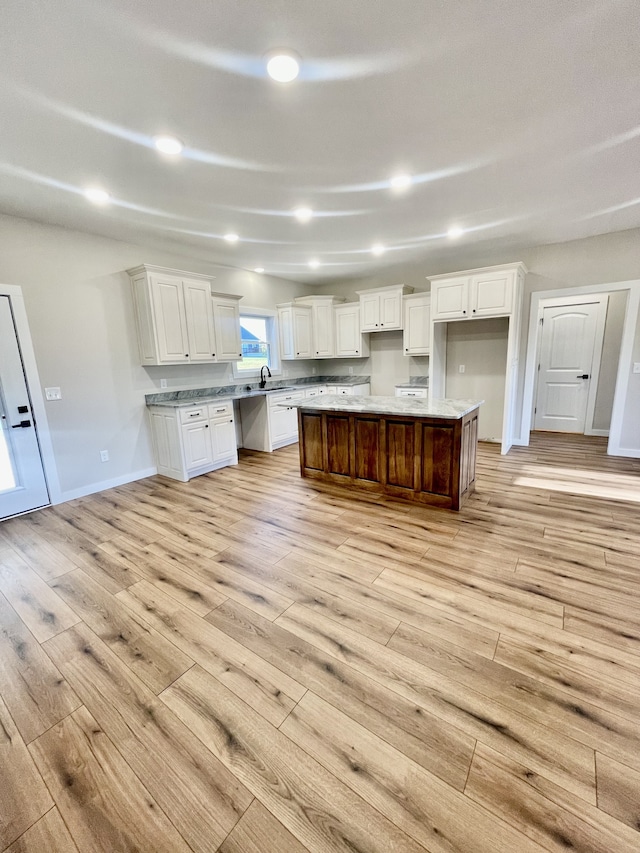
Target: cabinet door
[(450, 298), (223, 438), (417, 326), (197, 303), (491, 294), (348, 335), (390, 311), (197, 444), (323, 336), (369, 312), (226, 318), (302, 334), (280, 423), (170, 319), (285, 333)]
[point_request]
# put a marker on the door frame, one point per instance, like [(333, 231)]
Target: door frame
[(602, 300), (18, 309), (632, 288)]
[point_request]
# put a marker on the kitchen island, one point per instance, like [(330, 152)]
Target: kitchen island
[(404, 447)]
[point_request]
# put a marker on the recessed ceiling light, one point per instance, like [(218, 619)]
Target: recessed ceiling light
[(168, 144), (283, 66), (314, 264), (455, 231), (97, 195), (259, 269), (303, 214), (400, 182), (378, 249), (231, 238)]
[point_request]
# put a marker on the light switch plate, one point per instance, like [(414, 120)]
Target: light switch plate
[(53, 393), (636, 366)]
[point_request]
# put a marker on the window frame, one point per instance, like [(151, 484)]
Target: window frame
[(273, 338)]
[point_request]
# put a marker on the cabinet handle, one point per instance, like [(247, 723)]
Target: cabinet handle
[(219, 410)]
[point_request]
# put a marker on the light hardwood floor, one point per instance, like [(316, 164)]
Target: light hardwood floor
[(254, 663)]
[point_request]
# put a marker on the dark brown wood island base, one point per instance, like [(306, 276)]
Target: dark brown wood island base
[(412, 449)]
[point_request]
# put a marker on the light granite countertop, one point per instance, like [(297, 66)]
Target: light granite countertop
[(202, 396), (419, 408)]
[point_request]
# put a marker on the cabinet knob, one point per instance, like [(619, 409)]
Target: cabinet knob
[(230, 420), (464, 312), (382, 324), (356, 350), (213, 355), (207, 426), (474, 310), (240, 354), (186, 355)]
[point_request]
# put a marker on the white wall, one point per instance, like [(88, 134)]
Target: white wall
[(481, 346), (80, 311), (602, 259)]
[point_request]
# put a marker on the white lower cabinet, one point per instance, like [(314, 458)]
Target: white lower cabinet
[(362, 390), (194, 440), (269, 422)]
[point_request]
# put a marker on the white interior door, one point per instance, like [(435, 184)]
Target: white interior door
[(565, 367), (22, 481)]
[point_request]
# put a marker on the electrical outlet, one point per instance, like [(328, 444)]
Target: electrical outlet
[(461, 368), (104, 455), (285, 373), (313, 369), (163, 383), (636, 366), (53, 393), (351, 371)]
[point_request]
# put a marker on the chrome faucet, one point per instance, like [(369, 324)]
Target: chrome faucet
[(263, 381)]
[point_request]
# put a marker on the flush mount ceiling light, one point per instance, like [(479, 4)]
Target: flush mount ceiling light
[(314, 264), (378, 249), (259, 269), (168, 145), (97, 195), (400, 182), (455, 231), (303, 214), (283, 66), (231, 238)]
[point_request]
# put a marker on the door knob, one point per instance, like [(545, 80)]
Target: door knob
[(583, 376)]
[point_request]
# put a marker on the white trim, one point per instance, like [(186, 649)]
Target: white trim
[(624, 371), (14, 292), (92, 488), (602, 432), (615, 429)]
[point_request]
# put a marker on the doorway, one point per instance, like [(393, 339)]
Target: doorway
[(570, 348), (23, 486)]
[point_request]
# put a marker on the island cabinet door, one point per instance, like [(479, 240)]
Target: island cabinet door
[(338, 444), (437, 474), (311, 443), (398, 453), (366, 434)]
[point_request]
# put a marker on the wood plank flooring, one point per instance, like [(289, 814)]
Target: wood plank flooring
[(252, 662)]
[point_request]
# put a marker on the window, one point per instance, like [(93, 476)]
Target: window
[(259, 346)]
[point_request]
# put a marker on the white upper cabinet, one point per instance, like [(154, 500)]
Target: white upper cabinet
[(200, 333), (416, 335), (296, 337), (226, 320), (480, 293), (176, 320), (381, 308), (491, 293), (322, 321), (350, 342)]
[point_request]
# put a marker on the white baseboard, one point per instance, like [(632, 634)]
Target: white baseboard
[(604, 432), (631, 452), (92, 488)]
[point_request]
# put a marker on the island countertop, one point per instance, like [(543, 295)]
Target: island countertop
[(411, 406)]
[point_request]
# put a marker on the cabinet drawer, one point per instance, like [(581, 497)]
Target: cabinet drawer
[(198, 413), (411, 392), (219, 410), (278, 399), (345, 389)]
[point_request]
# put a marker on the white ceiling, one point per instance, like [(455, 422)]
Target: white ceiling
[(521, 121)]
